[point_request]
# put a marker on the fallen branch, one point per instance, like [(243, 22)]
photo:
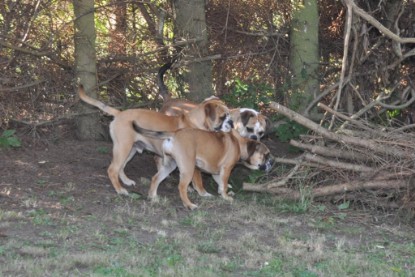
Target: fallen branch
[(330, 152), (329, 190), (368, 144), (337, 164)]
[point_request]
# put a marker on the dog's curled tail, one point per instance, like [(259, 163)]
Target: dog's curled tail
[(164, 92), (151, 133), (91, 101)]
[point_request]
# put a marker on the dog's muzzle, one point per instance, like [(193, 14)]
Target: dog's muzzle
[(225, 126), (269, 163)]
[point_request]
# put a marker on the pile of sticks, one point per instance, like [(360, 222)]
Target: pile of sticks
[(356, 157)]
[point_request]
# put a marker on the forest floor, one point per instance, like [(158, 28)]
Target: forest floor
[(60, 216)]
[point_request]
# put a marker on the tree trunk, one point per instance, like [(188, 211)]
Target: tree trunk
[(87, 125), (191, 23), (304, 54)]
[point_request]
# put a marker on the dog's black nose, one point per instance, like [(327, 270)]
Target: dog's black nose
[(254, 137), (231, 123)]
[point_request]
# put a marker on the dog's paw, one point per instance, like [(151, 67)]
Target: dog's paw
[(154, 198), (227, 197), (127, 181), (205, 194), (231, 193), (191, 206), (122, 191)]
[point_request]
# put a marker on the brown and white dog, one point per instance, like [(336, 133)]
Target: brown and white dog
[(211, 115), (248, 122), (213, 152)]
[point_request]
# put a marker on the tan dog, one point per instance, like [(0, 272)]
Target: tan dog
[(248, 122), (213, 152), (209, 115)]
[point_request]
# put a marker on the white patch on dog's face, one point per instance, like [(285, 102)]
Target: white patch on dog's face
[(227, 124), (252, 124)]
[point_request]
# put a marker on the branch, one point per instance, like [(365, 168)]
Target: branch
[(330, 152), (377, 24), (342, 139), (337, 164), (330, 190)]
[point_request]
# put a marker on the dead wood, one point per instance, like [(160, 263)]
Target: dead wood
[(342, 139), (360, 157), (328, 190), (331, 151)]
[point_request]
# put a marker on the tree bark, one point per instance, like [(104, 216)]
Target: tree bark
[(304, 53), (88, 126), (191, 24)]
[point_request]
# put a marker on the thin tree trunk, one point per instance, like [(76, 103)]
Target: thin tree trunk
[(304, 53), (88, 126), (191, 23)]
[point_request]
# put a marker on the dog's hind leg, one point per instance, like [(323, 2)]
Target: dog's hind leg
[(120, 156), (186, 175), (166, 167), (198, 184), (127, 181)]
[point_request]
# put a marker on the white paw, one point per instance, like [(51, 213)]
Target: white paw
[(153, 197), (192, 206), (122, 191), (227, 197), (129, 183), (205, 194)]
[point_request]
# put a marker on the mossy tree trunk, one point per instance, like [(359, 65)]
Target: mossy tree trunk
[(191, 24), (87, 124), (304, 54)]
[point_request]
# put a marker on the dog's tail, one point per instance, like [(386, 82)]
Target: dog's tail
[(96, 103), (163, 91), (151, 133)]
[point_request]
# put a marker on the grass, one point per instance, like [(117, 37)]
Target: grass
[(257, 235)]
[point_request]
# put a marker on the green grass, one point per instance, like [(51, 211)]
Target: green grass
[(256, 235)]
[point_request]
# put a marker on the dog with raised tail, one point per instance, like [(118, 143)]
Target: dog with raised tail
[(215, 153), (210, 115)]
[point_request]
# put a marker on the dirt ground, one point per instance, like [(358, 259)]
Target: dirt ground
[(45, 184)]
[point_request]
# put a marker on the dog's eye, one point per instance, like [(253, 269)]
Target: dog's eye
[(251, 130)]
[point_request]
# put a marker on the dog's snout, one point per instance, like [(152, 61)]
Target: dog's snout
[(254, 137), (268, 164)]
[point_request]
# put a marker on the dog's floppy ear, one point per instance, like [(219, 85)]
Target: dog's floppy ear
[(245, 116), (251, 147), (210, 111)]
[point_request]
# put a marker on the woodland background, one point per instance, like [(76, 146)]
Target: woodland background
[(364, 74)]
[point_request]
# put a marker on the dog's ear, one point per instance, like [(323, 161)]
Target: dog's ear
[(251, 147), (210, 111), (245, 116)]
